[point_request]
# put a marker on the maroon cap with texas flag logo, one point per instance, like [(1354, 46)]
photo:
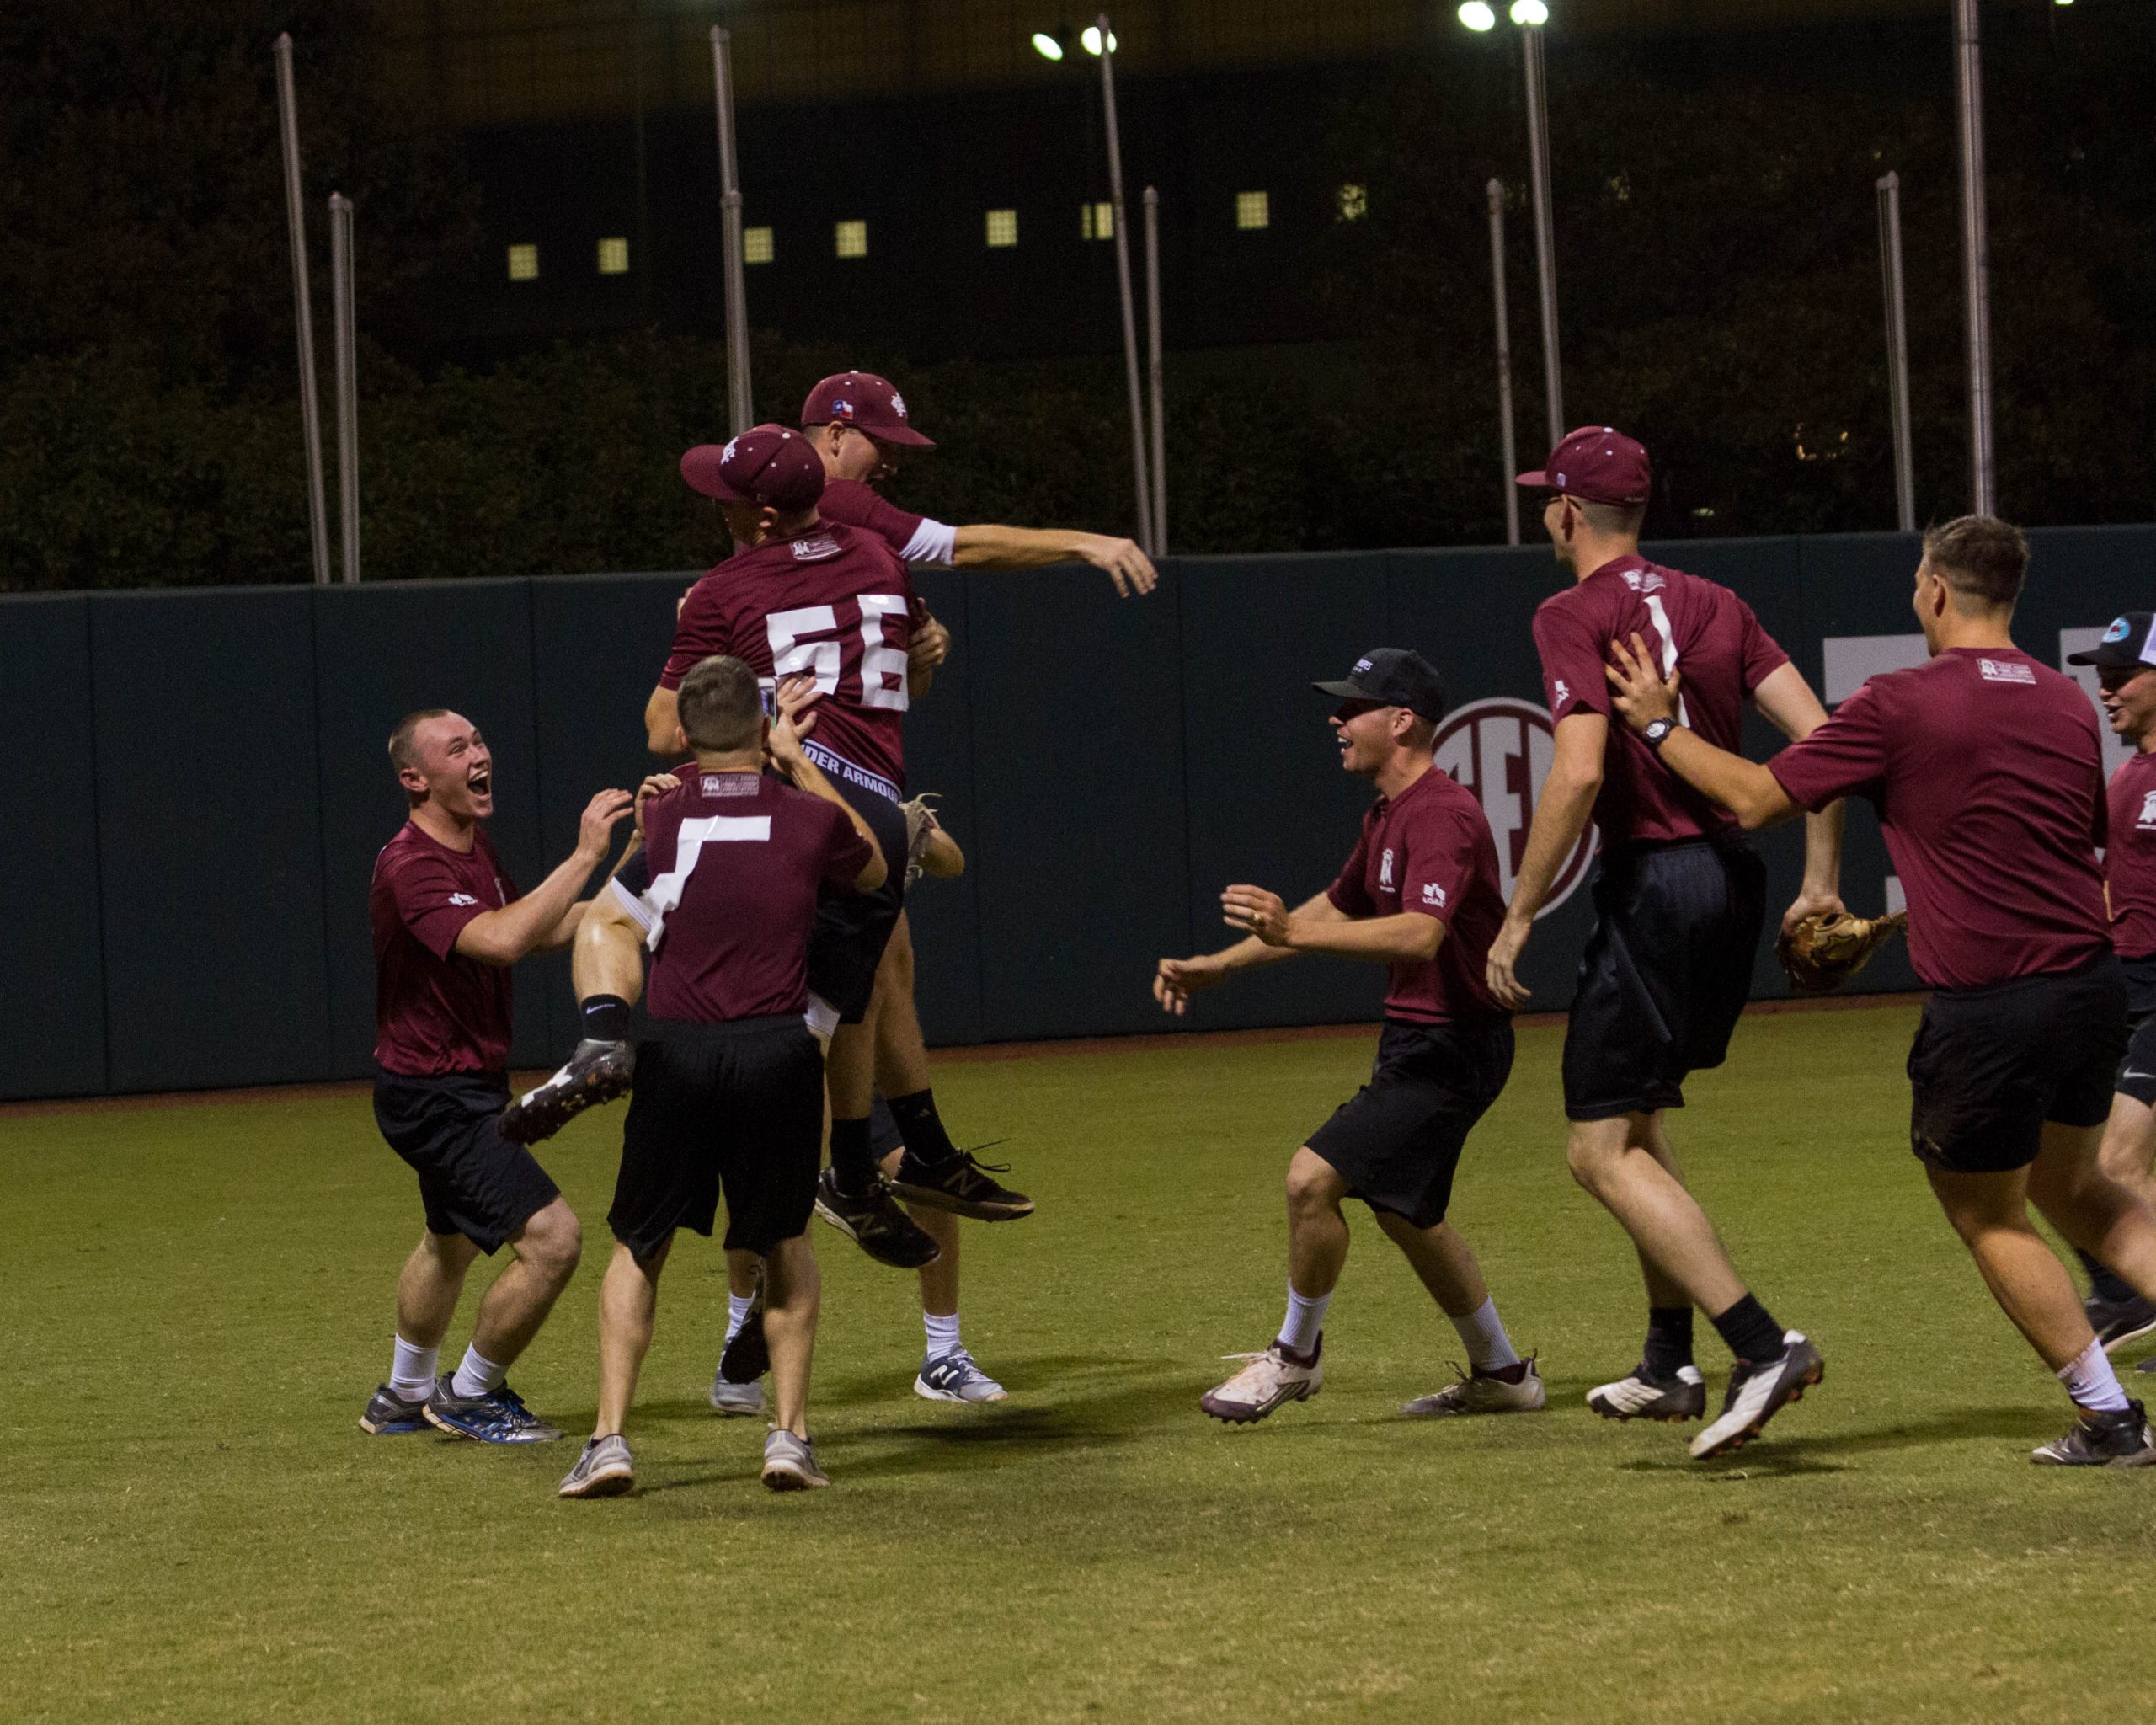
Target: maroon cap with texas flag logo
[(1596, 464), (867, 401), (766, 464)]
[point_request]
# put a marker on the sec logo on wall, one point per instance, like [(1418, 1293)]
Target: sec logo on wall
[(1501, 749)]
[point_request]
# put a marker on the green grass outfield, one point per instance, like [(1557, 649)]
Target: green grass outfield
[(197, 1303)]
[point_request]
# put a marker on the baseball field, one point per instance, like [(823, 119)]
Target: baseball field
[(193, 1528)]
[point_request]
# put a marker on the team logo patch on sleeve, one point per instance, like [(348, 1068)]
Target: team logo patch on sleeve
[(1434, 894), (462, 899), (1384, 872)]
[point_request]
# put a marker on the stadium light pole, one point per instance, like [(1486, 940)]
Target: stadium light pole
[(344, 343), (1103, 43), (1496, 191), (740, 403), (1531, 16), (296, 220), (1153, 364), (1897, 347), (1976, 251)]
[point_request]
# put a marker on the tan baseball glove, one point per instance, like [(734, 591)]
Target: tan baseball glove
[(1822, 952)]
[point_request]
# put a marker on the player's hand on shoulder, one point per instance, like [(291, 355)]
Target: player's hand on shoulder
[(655, 784), (1177, 979), (796, 697), (1125, 563), (1257, 912), (596, 830), (1638, 691)]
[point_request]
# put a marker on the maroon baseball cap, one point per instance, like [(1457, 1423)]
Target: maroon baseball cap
[(866, 401), (1596, 464), (766, 464)]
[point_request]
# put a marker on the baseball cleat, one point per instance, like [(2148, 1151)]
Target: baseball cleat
[(1482, 1392), (961, 1186), (1641, 1395), (1270, 1381), (1756, 1392), (498, 1417), (789, 1463), (388, 1414), (2118, 1438), (955, 1377), (604, 1470), (2118, 1322), (873, 1222), (597, 1072)]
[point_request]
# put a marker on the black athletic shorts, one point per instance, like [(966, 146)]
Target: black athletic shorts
[(473, 1180), (738, 1104), (1665, 974), (2136, 1073), (852, 929), (1397, 1140), (1991, 1065)]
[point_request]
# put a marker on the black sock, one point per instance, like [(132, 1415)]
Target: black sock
[(2103, 1283), (853, 1164), (1749, 1332), (605, 1018), (1669, 1340), (921, 1129)]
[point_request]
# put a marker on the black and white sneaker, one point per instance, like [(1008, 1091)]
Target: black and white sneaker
[(2119, 1438), (1641, 1394), (747, 1356), (389, 1415), (873, 1222), (1758, 1392), (961, 1186), (597, 1072), (2118, 1322)]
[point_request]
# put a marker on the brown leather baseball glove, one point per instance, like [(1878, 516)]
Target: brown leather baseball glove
[(1822, 952)]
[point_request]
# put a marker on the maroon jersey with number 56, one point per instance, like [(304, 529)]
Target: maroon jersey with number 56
[(1697, 627), (836, 603), (725, 891)]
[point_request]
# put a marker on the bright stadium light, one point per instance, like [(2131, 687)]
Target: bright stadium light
[(1529, 12), (1089, 39), (1046, 46), (1477, 15)]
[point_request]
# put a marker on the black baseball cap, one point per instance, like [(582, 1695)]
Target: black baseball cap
[(2129, 643), (1393, 676)]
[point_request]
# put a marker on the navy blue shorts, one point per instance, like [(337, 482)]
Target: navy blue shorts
[(1665, 974), (852, 929), (1397, 1141), (473, 1180), (1990, 1067)]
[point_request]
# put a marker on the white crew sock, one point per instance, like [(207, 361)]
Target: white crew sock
[(1482, 1333), (412, 1370), (478, 1375), (737, 1313), (1305, 1319), (2092, 1383), (942, 1333)]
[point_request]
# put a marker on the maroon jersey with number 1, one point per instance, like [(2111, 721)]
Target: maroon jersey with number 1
[(435, 1010), (1697, 627), (725, 890), (834, 602)]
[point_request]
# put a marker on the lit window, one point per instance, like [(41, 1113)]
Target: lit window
[(1096, 221), (755, 245), (1253, 209), (1354, 202), (853, 239), (613, 257), (524, 263), (1003, 227)]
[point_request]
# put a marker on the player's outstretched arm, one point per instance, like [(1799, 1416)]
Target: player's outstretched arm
[(1787, 700), (1322, 926), (662, 722), (1175, 979), (1563, 809), (547, 917), (994, 547), (1641, 695)]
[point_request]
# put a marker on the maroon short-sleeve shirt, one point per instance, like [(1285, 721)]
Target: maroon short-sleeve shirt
[(1987, 771), (1428, 850), (436, 1010), (1697, 627), (2130, 858)]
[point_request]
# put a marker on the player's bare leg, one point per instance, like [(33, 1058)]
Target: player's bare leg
[(547, 1249), (606, 971), (2095, 1211), (628, 1298), (1497, 1380), (2120, 1313), (737, 1385), (1290, 1370), (792, 1294), (852, 1194), (429, 1287), (1613, 1159)]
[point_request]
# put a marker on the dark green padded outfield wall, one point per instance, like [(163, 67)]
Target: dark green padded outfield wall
[(196, 787)]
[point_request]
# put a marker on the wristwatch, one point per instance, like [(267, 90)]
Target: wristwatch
[(1657, 730)]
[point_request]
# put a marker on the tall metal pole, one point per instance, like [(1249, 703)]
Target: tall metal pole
[(1153, 361), (1976, 251), (296, 220), (1546, 243), (344, 342), (741, 412), (1897, 347), (1123, 282), (1496, 191)]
